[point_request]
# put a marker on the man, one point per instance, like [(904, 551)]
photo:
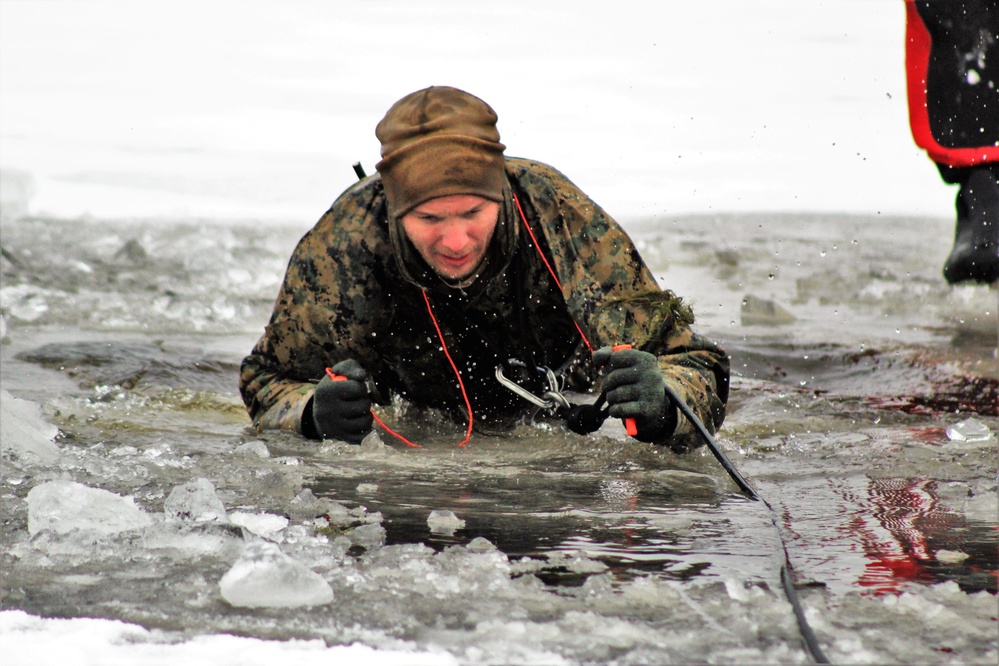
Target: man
[(455, 260), (952, 65)]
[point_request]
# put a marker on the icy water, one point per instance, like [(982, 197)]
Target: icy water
[(860, 380)]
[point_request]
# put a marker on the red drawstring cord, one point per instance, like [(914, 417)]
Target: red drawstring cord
[(339, 378), (548, 266), (461, 384), (629, 424)]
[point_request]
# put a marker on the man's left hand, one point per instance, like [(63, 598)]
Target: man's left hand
[(634, 388)]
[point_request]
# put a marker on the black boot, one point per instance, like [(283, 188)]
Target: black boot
[(975, 257)]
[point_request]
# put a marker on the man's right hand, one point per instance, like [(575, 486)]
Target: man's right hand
[(342, 409)]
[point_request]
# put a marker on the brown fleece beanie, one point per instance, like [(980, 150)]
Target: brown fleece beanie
[(437, 142)]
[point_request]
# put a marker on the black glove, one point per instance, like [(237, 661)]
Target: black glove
[(342, 409), (634, 388)]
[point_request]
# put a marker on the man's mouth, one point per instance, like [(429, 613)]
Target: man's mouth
[(454, 262)]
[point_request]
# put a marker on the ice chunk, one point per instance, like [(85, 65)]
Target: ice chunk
[(196, 502), (761, 312), (951, 556), (26, 302), (480, 545), (195, 542), (370, 536), (131, 252), (266, 577), (254, 448), (62, 506), (971, 430), (25, 436), (264, 524), (367, 488), (443, 521)]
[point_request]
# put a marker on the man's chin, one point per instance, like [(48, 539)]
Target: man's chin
[(452, 274)]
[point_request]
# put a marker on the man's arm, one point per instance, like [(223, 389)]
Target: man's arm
[(615, 298), (329, 304)]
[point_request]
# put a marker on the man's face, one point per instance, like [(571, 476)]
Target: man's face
[(452, 233)]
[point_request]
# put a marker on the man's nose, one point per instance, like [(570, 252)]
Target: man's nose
[(454, 236)]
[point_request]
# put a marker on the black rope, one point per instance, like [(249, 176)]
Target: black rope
[(584, 419), (709, 440), (811, 642)]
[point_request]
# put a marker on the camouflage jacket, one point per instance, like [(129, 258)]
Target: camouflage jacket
[(353, 290)]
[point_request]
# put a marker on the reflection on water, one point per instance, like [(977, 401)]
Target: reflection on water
[(908, 535)]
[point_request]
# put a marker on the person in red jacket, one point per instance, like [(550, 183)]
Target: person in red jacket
[(952, 67)]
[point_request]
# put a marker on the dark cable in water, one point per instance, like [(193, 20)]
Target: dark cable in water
[(811, 643)]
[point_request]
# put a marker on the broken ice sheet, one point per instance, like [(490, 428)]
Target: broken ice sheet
[(263, 524), (971, 430), (265, 577), (196, 502), (63, 506), (444, 521)]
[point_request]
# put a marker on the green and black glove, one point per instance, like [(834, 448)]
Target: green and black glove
[(635, 389), (341, 409)]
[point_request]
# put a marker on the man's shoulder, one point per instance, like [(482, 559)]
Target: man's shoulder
[(365, 197), (523, 169), (355, 222)]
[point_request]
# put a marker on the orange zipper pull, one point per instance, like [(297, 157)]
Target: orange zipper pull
[(335, 377), (629, 423)]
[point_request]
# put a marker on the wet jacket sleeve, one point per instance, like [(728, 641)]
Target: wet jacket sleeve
[(615, 298), (323, 314)]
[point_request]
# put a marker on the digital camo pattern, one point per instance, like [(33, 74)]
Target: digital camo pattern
[(345, 295)]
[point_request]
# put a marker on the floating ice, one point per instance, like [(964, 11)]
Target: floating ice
[(195, 501), (26, 302), (263, 524), (254, 448), (971, 430), (762, 312), (444, 521), (367, 488), (951, 556), (266, 577), (370, 536), (24, 435), (480, 545), (63, 506)]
